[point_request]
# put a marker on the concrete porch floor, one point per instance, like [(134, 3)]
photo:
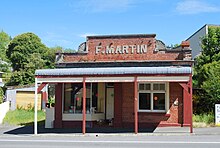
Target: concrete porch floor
[(22, 130)]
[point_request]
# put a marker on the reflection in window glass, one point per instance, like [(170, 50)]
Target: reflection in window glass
[(73, 97), (144, 101), (159, 101), (152, 96)]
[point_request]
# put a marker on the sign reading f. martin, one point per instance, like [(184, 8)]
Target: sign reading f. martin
[(123, 49)]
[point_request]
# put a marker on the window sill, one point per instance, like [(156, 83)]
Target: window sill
[(153, 111)]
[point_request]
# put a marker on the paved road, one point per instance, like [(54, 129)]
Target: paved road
[(93, 141), (22, 137)]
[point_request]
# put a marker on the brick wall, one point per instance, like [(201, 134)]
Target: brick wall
[(152, 119), (151, 54)]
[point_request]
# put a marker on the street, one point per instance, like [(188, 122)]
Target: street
[(95, 141)]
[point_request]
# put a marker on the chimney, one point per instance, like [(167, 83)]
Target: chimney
[(185, 44)]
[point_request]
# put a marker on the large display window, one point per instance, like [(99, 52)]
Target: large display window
[(73, 98)]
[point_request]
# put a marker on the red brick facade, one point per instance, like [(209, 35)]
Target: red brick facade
[(147, 119), (127, 49), (152, 53)]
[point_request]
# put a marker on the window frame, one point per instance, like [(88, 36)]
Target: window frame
[(151, 91), (90, 84)]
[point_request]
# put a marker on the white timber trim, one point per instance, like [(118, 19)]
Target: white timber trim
[(115, 79), (163, 79)]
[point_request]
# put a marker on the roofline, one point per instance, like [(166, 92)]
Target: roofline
[(120, 36), (128, 61), (112, 75), (196, 32), (201, 29)]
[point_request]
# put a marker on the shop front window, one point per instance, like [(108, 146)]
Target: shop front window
[(152, 97), (73, 98)]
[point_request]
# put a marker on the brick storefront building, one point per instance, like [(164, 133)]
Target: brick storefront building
[(121, 81)]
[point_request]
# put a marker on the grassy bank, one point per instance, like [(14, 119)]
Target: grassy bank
[(204, 120), (22, 117)]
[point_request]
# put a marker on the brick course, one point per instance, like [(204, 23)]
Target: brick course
[(150, 55)]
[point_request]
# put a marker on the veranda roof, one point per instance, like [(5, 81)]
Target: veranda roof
[(113, 71)]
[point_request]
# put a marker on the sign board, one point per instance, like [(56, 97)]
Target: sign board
[(125, 49), (217, 114)]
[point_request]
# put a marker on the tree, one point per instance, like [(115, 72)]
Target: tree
[(211, 85), (27, 53), (207, 71), (4, 41), (22, 46)]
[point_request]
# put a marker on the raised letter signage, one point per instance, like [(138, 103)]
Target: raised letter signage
[(121, 49)]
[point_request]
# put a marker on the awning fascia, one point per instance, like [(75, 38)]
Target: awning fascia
[(114, 79)]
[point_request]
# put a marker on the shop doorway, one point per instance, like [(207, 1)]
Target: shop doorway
[(109, 102)]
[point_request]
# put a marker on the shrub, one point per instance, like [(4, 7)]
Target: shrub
[(208, 118), (1, 95)]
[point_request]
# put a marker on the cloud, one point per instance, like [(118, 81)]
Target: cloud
[(195, 7), (96, 6)]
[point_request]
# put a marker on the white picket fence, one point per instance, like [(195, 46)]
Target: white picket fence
[(4, 108)]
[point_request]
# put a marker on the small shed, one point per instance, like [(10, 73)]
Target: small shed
[(24, 97)]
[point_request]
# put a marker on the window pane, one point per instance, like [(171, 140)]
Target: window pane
[(159, 101), (95, 95), (73, 97), (162, 86), (144, 86), (147, 86), (144, 101), (159, 87), (141, 87)]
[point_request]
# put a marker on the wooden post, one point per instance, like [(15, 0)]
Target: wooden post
[(135, 105), (35, 107), (191, 104), (84, 106), (187, 104)]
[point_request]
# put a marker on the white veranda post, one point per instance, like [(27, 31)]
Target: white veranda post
[(35, 108)]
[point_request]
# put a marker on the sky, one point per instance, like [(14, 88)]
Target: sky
[(66, 23)]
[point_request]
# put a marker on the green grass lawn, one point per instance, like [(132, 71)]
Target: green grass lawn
[(22, 117)]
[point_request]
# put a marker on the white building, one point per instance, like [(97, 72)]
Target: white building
[(195, 40)]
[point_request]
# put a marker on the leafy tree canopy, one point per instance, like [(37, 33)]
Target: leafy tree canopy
[(27, 53), (207, 71), (4, 41), (22, 46)]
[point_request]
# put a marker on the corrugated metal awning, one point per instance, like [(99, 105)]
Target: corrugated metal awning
[(113, 71)]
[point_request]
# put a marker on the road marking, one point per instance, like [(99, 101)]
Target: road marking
[(123, 142)]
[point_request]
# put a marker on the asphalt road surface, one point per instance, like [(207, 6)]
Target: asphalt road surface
[(116, 141)]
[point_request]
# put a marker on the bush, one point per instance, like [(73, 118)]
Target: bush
[(1, 95), (205, 118)]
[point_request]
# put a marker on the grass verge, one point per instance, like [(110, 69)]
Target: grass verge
[(204, 120), (22, 117)]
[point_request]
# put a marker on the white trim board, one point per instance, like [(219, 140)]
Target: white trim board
[(115, 79)]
